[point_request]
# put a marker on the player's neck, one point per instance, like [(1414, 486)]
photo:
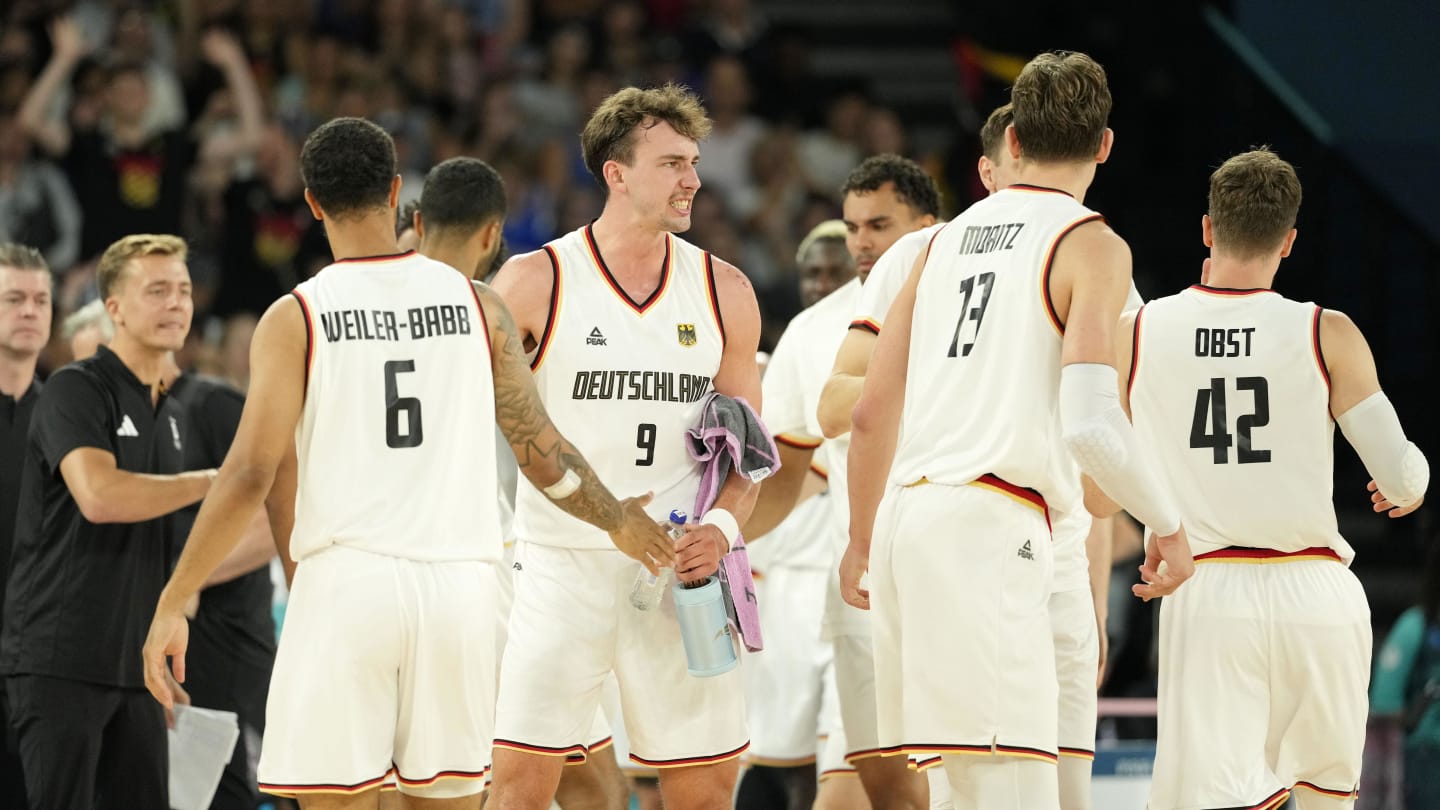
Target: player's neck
[(1073, 178), (16, 373), (147, 364), (1241, 274), (362, 237), (626, 242), (462, 256)]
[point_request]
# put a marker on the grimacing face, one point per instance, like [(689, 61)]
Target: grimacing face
[(151, 302), (661, 180), (875, 220), (25, 312)]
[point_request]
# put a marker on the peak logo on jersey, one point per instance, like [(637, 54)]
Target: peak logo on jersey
[(595, 339), (1025, 552), (685, 333), (127, 428)]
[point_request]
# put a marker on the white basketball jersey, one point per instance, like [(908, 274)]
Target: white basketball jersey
[(1230, 390), (623, 380), (984, 369), (396, 442)]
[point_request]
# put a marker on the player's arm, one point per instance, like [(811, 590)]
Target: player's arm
[(217, 418), (875, 430), (267, 425), (107, 494), (1097, 503), (525, 283), (280, 508), (782, 491), (551, 462), (1399, 470), (698, 553), (847, 379), (1090, 281)]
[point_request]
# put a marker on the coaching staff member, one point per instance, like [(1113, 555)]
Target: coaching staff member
[(92, 545)]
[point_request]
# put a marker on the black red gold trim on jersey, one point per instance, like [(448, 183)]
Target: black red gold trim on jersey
[(1041, 189), (443, 775), (1230, 291), (865, 753), (1315, 344), (566, 751), (1050, 263), (714, 296), (1339, 794), (580, 758), (924, 752), (1134, 352), (1077, 753), (641, 307), (309, 339), (684, 761), (542, 343), (866, 324), (383, 257), (302, 790), (1241, 554)]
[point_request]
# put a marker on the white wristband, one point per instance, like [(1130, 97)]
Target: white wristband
[(726, 523), (564, 488)]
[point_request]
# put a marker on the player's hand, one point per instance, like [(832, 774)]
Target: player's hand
[(168, 638), (852, 567), (642, 539), (222, 49), (698, 552), (1381, 504), (1168, 563)]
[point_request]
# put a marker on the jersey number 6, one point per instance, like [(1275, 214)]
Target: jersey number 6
[(395, 405)]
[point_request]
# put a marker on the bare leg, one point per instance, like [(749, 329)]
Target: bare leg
[(700, 787), (597, 784), (841, 792), (524, 781), (367, 800), (891, 785)]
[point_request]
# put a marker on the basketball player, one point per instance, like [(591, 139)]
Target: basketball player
[(1263, 668), (1077, 609), (790, 688), (380, 371), (458, 220), (885, 197), (632, 328), (974, 452)]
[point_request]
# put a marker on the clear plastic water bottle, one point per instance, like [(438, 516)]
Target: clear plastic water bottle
[(648, 589)]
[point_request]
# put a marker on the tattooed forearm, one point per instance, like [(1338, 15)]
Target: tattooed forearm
[(541, 451)]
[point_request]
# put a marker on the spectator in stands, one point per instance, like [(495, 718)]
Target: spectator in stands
[(132, 180), (1406, 688), (37, 206), (726, 168)]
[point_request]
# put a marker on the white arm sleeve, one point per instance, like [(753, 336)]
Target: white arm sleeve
[(1105, 446), (1397, 465)]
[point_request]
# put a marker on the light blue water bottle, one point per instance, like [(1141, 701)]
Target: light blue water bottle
[(705, 628)]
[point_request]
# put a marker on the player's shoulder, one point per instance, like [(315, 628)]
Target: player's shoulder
[(728, 276)]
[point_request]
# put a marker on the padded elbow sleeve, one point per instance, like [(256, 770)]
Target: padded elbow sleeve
[(1397, 465), (1104, 445)]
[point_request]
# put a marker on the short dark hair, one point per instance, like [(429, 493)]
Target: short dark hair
[(1061, 103), (462, 193), (992, 135), (913, 186), (348, 165), (405, 216)]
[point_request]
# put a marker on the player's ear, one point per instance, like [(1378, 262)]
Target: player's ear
[(986, 170), (1207, 232), (1012, 143), (394, 201), (1289, 243), (1107, 142), (314, 206)]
